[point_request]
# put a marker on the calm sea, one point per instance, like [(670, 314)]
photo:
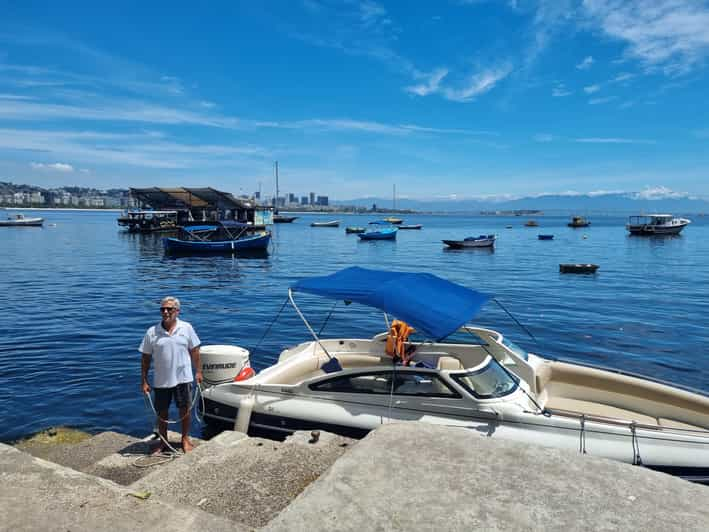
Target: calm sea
[(77, 296)]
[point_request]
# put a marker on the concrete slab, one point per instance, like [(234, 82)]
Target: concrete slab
[(424, 477), (249, 480), (39, 495)]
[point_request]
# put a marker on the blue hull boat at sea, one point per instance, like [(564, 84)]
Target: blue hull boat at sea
[(381, 230), (220, 237)]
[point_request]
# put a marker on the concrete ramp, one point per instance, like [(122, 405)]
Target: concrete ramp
[(40, 495), (425, 477), (248, 480)]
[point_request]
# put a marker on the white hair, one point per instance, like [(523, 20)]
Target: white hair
[(169, 299)]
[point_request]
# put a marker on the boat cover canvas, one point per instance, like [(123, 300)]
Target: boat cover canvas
[(434, 306)]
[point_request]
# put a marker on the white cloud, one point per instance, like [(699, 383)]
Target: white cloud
[(612, 140), (599, 101), (623, 76), (477, 84), (591, 89), (666, 35), (558, 92), (586, 63), (658, 192), (59, 167), (430, 85)]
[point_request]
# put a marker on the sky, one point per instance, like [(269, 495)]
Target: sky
[(442, 99)]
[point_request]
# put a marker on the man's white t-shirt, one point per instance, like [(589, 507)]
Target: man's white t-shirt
[(171, 353)]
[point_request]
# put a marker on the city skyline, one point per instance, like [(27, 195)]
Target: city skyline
[(466, 98)]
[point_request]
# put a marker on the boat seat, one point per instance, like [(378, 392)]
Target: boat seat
[(598, 409), (448, 363)]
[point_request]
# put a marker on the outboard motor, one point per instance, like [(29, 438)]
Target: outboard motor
[(222, 363)]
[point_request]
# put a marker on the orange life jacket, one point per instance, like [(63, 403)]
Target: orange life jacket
[(396, 340)]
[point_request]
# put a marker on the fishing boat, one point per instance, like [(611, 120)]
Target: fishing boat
[(531, 223), (410, 227), (331, 223), (482, 241), (354, 230), (578, 268), (545, 237), (430, 365), (20, 220), (656, 224), (379, 231), (578, 221), (219, 237), (393, 220)]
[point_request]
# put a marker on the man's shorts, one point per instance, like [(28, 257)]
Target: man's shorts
[(182, 394)]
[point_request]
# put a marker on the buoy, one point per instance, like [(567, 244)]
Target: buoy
[(243, 416)]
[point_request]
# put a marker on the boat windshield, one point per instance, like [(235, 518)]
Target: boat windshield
[(517, 350), (489, 382)]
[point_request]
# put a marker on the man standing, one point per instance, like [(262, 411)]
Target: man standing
[(174, 346)]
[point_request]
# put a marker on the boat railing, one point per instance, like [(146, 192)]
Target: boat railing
[(607, 420)]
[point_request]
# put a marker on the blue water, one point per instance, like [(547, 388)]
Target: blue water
[(76, 298)]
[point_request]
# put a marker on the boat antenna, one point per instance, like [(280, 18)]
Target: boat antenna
[(516, 321), (315, 336)]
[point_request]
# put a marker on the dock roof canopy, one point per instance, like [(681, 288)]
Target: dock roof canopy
[(189, 198)]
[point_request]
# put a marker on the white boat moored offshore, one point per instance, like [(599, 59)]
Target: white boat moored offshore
[(20, 220), (459, 375), (656, 224)]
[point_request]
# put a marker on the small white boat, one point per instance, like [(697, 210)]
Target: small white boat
[(20, 220), (488, 384), (332, 223), (656, 224)]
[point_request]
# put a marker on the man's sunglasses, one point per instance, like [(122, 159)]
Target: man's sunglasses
[(168, 309)]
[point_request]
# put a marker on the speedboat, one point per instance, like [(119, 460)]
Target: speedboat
[(20, 220), (332, 223), (482, 241), (354, 230), (545, 237), (578, 221), (381, 230), (578, 268), (393, 220), (412, 226), (448, 372), (656, 224)]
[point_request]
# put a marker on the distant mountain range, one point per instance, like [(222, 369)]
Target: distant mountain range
[(624, 202)]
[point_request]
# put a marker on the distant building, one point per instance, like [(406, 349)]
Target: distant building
[(312, 198), (292, 198), (304, 200), (322, 201), (257, 195)]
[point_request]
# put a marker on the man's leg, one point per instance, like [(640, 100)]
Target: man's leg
[(186, 418), (183, 398), (162, 407)]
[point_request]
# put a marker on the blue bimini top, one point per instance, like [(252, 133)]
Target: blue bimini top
[(434, 306)]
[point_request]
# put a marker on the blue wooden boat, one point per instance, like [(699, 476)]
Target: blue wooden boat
[(381, 230), (227, 237)]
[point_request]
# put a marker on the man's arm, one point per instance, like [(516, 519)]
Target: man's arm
[(144, 367), (196, 364)]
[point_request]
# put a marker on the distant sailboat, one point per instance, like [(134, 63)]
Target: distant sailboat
[(280, 218)]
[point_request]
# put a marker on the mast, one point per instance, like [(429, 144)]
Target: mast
[(275, 202), (394, 202)]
